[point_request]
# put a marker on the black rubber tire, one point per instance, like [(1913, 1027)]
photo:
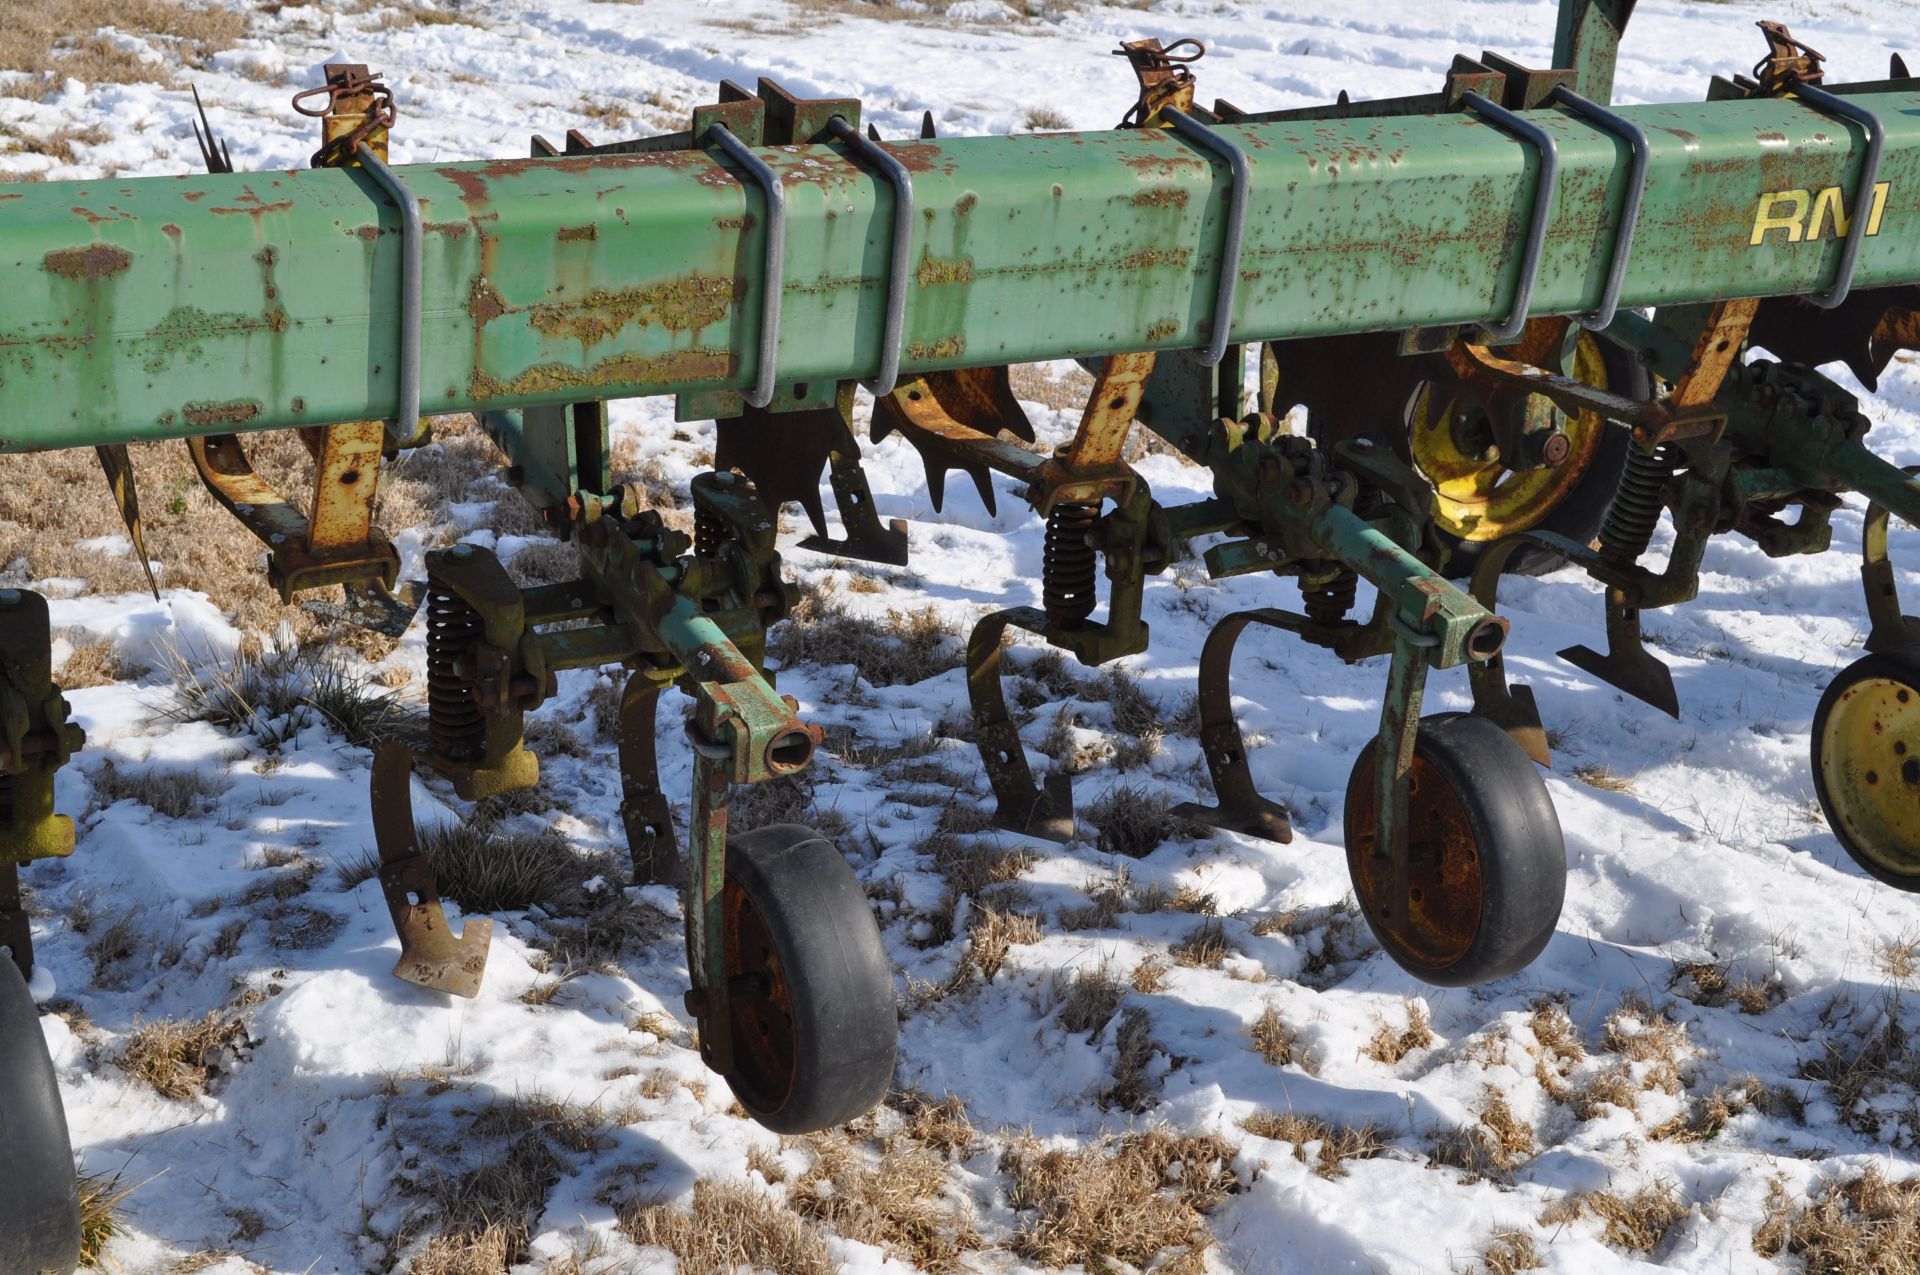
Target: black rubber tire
[(1517, 849), (1902, 666), (39, 1196), (842, 1019)]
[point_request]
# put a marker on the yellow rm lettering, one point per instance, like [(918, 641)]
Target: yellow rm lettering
[(1810, 215)]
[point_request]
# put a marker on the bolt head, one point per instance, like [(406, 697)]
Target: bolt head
[(9, 597), (461, 551)]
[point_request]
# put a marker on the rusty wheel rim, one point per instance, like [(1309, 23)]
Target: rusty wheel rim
[(1438, 923), (1870, 768), (1479, 500), (765, 1045)]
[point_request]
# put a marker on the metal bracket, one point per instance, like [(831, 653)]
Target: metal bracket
[(1023, 807), (1242, 809), (1525, 131), (1890, 629), (900, 261), (1832, 104), (407, 398), (1235, 234), (643, 806), (1510, 707), (430, 954), (1642, 151), (774, 272)]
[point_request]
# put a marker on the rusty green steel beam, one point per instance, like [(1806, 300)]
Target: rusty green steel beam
[(161, 307)]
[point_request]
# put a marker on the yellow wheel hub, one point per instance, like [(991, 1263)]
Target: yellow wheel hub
[(1478, 499), (1869, 751)]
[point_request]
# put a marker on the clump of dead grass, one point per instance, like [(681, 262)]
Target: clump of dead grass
[(1508, 1252), (176, 1057), (895, 1202), (941, 1125), (1274, 1039), (1133, 1087), (899, 648), (1713, 985), (1389, 1045), (93, 664), (1128, 1200), (1088, 999), (729, 1224), (1150, 974), (484, 870), (993, 933), (102, 1200), (1866, 1225), (1329, 1145), (1134, 820), (787, 799), (1636, 1223), (175, 794), (1492, 1146), (1871, 1074), (273, 695), (1206, 946)]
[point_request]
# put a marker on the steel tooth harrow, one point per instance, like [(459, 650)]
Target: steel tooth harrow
[(1518, 318)]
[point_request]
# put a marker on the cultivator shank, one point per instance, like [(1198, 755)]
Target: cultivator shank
[(1524, 327)]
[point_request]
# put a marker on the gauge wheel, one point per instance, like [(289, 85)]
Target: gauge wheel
[(39, 1200), (1489, 867), (1866, 763), (813, 1013), (1480, 502)]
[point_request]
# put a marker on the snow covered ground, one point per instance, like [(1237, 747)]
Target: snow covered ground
[(1694, 844)]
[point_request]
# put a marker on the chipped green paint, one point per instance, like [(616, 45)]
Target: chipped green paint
[(136, 297), (687, 304), (95, 261)]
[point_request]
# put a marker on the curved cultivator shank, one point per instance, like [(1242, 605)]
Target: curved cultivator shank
[(1519, 322)]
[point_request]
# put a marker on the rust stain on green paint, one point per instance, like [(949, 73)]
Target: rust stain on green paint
[(686, 304), (187, 328), (95, 261), (578, 234), (943, 270), (678, 367), (234, 412), (947, 347)]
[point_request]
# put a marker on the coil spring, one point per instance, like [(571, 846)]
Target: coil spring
[(1068, 563), (707, 531), (456, 726), (1636, 505), (1333, 600)]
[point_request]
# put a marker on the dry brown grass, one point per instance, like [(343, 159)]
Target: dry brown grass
[(102, 1200), (895, 1201), (1597, 776), (1134, 820), (1710, 984), (787, 799), (1150, 975), (53, 39), (1332, 1145), (92, 664), (727, 1225), (1636, 1223), (174, 1055), (1861, 1226), (898, 648), (993, 933), (941, 1125), (1507, 1252), (1126, 1200), (1133, 1089), (1389, 1044), (1650, 1051), (1205, 947), (1492, 1146), (175, 794), (1866, 1073), (488, 871), (1708, 1114), (1898, 958), (1274, 1040), (1088, 999)]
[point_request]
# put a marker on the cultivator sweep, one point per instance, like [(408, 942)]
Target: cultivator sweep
[(1521, 323)]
